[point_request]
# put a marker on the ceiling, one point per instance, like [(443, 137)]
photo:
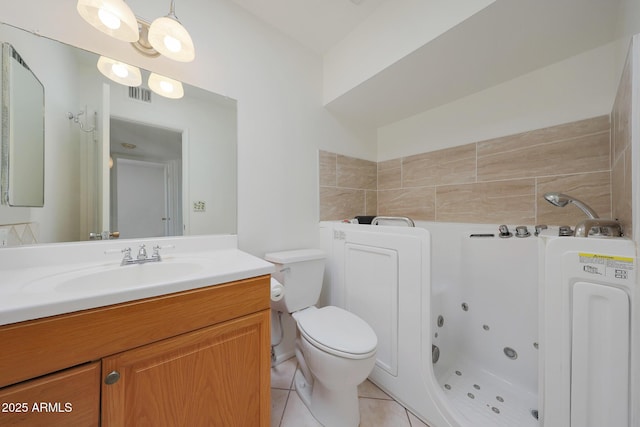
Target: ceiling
[(503, 41), (316, 24)]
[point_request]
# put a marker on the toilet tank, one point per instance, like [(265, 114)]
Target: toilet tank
[(300, 272)]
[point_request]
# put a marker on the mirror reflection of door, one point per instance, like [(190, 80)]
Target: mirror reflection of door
[(146, 180)]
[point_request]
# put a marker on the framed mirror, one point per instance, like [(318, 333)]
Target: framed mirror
[(22, 140), (96, 128)]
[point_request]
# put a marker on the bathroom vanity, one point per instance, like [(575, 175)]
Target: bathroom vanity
[(153, 361), (193, 357)]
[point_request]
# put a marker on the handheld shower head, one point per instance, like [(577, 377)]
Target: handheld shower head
[(557, 199), (562, 200)]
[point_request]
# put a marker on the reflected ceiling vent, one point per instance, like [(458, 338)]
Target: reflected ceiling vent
[(140, 94)]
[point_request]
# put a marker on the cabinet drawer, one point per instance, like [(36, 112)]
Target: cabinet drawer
[(68, 398)]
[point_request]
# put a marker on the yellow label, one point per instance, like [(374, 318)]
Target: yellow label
[(610, 257)]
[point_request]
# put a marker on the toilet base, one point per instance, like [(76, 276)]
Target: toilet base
[(331, 407)]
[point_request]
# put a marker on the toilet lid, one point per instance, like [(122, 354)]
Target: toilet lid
[(332, 328)]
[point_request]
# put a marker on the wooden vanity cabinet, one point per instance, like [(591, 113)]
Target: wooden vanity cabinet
[(194, 358), (204, 378)]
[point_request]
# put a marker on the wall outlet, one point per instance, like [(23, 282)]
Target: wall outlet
[(4, 237), (199, 206)]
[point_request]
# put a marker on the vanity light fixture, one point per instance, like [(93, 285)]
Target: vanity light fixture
[(170, 38), (164, 86), (165, 35), (112, 17), (120, 72)]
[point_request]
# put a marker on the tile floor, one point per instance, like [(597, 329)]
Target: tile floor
[(377, 409)]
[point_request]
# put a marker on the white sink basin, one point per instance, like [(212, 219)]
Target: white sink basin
[(113, 278), (52, 279)]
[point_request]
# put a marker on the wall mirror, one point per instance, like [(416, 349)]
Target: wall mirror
[(22, 140), (125, 159)]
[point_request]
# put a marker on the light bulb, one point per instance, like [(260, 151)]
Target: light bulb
[(172, 43), (120, 70), (112, 17), (166, 86), (109, 19)]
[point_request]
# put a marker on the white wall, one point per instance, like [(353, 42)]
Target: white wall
[(580, 87), (278, 85)]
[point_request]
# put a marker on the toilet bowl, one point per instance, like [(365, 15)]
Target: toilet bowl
[(338, 351), (335, 349)]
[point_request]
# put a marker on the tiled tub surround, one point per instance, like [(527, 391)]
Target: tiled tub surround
[(501, 180), (347, 186), (621, 151)]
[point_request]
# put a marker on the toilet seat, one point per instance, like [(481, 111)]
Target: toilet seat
[(337, 331)]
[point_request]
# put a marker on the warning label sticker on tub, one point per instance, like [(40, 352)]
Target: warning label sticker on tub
[(617, 267)]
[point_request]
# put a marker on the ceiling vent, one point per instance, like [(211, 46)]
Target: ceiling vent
[(140, 94)]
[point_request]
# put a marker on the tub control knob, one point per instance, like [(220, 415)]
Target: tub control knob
[(521, 231), (539, 229), (565, 230), (504, 231)]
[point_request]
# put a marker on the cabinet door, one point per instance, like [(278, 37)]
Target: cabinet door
[(216, 376), (68, 398)]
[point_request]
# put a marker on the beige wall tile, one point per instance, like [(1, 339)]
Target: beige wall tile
[(543, 136), (621, 115), (594, 189), (390, 174), (622, 184), (356, 173), (416, 203), (371, 202), (444, 185), (327, 162), (488, 202), (578, 155), (621, 191), (340, 203), (449, 166)]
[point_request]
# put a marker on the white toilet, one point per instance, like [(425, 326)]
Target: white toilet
[(335, 349)]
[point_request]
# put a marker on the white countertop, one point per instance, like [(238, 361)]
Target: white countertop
[(46, 280)]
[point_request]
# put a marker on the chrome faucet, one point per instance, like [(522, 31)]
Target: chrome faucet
[(604, 227), (593, 226), (142, 257)]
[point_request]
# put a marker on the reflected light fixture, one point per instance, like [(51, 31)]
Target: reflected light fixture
[(170, 38), (120, 72), (112, 17), (164, 86)]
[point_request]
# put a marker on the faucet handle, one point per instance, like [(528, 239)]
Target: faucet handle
[(504, 231), (539, 229), (156, 250)]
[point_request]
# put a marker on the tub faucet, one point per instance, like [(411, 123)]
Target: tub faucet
[(562, 200), (604, 227)]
